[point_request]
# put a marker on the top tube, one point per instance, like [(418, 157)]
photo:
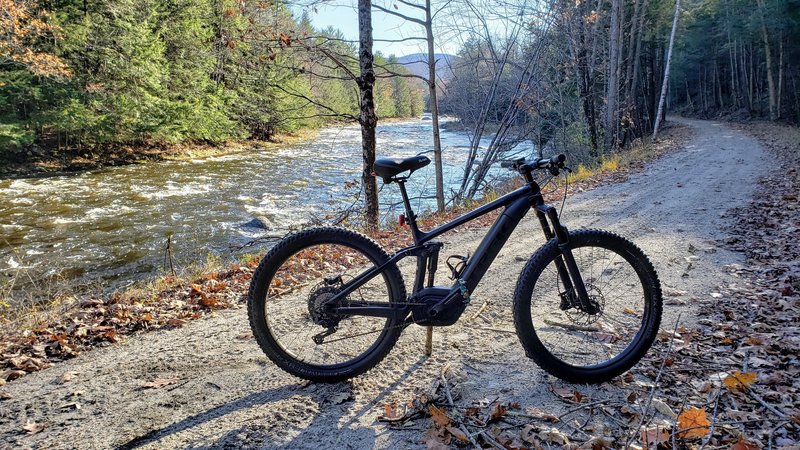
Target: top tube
[(421, 237)]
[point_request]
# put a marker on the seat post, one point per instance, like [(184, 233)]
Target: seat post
[(410, 217)]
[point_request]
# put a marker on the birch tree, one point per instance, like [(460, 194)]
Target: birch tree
[(665, 84), (612, 86)]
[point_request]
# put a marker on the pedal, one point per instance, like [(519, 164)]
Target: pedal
[(457, 268)]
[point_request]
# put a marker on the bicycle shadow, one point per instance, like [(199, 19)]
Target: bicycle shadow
[(278, 434)]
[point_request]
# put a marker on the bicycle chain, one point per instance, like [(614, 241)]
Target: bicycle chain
[(402, 325)]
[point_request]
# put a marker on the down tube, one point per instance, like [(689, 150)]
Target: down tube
[(494, 241)]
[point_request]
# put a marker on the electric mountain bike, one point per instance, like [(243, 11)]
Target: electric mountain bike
[(327, 304)]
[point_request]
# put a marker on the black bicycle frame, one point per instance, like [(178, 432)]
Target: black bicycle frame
[(516, 203)]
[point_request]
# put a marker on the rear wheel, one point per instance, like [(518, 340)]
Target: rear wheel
[(287, 305), (572, 344)]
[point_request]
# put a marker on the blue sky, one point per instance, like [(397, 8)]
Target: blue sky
[(342, 14)]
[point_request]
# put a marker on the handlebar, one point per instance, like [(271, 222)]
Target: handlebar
[(553, 164)]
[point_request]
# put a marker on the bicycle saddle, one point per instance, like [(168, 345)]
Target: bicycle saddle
[(387, 168)]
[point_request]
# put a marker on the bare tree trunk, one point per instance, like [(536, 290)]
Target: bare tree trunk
[(437, 145), (718, 82), (770, 79), (660, 113), (631, 49), (734, 96), (612, 84), (637, 25), (780, 74), (367, 118), (751, 79), (637, 58), (583, 68), (427, 24)]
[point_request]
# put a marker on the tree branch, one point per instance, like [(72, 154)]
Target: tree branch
[(397, 14)]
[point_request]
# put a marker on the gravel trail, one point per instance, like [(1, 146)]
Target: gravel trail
[(226, 394)]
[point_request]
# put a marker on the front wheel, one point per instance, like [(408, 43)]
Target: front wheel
[(570, 343)]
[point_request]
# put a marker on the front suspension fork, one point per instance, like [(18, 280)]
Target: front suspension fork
[(565, 263)]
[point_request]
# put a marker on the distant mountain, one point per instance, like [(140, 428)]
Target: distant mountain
[(418, 64)]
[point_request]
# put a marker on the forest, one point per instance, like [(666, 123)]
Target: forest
[(589, 77), (98, 74)]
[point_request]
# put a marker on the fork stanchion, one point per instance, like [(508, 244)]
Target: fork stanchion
[(428, 341)]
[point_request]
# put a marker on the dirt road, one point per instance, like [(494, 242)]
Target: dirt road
[(225, 394)]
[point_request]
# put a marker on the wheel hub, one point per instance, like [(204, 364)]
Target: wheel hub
[(575, 311), (317, 309)]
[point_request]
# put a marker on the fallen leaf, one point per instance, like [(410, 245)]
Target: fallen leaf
[(33, 427), (739, 381), (598, 443), (541, 414), (458, 434), (176, 323), (195, 290), (663, 408), (209, 301), (654, 436), (472, 411), (528, 434), (554, 435), (66, 377), (439, 416), (694, 423), (5, 396), (11, 374), (743, 444), (498, 412), (391, 413), (434, 440), (672, 292), (570, 394), (159, 383)]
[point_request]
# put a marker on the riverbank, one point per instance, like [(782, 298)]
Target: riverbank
[(67, 325), (37, 162)]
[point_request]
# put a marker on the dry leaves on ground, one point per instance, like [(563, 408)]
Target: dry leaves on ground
[(734, 379)]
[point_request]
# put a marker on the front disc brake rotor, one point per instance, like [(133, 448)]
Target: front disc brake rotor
[(576, 314)]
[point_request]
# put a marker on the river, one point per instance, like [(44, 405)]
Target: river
[(109, 226)]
